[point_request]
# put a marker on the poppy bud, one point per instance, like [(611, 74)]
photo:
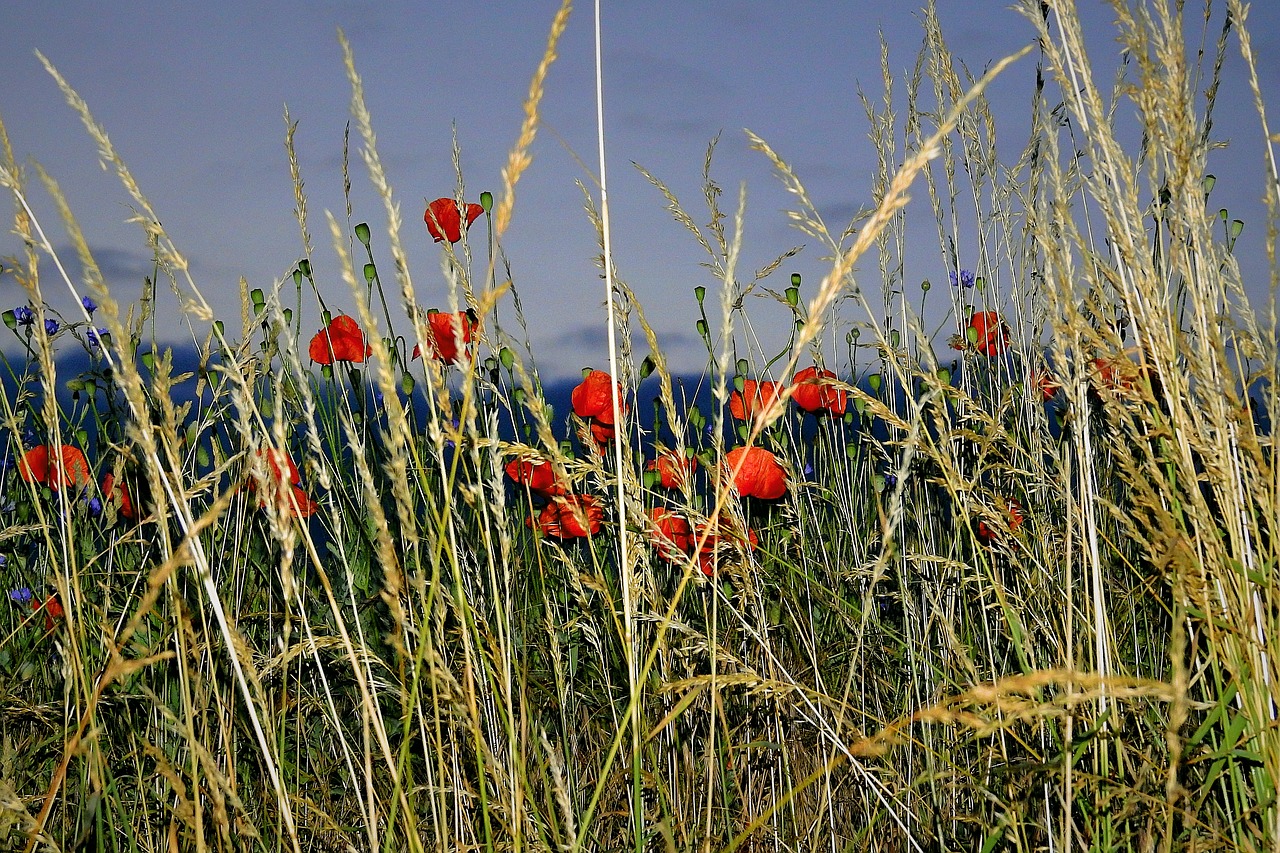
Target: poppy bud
[(149, 360), (979, 283), (406, 384), (1207, 183), (519, 396), (795, 279), (647, 367), (288, 316), (895, 338), (971, 334), (875, 382), (362, 233), (326, 317), (259, 301), (75, 385), (370, 273), (486, 201), (742, 366), (739, 383), (793, 296), (304, 267), (1237, 226), (297, 278), (925, 285), (701, 326), (507, 357), (699, 293)]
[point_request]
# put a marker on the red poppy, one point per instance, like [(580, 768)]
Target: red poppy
[(815, 393), (990, 336), (672, 537), (1013, 516), (109, 490), (537, 474), (51, 608), (591, 397), (69, 467), (569, 517), (279, 463), (722, 542), (603, 434), (341, 340), (1047, 385), (672, 469), (444, 219), (753, 399), (443, 334), (759, 474)]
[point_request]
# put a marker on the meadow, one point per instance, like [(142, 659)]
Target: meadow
[(1010, 585)]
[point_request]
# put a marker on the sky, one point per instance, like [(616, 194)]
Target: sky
[(193, 96)]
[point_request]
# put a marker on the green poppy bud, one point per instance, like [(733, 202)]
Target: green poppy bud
[(149, 360), (851, 449), (297, 278), (1222, 214), (877, 483), (848, 417), (647, 367), (875, 381), (742, 366), (650, 479), (699, 293), (490, 364), (701, 326), (742, 431), (518, 396), (362, 233), (288, 316), (855, 333), (925, 285), (370, 273), (75, 385), (304, 267), (406, 385), (507, 357), (979, 283), (944, 376), (1207, 183), (326, 370), (795, 279), (739, 383), (1237, 226), (202, 456), (486, 201), (971, 335), (793, 296), (895, 338), (218, 328), (326, 317), (259, 301)]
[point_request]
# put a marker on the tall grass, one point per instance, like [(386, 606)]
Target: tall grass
[(1019, 594)]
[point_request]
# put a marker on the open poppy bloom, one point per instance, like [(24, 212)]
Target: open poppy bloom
[(537, 474), (112, 490), (444, 219), (591, 400), (672, 469), (723, 543), (341, 340), (986, 332), (1013, 515), (758, 473), (569, 517), (443, 333), (814, 392), (602, 434), (280, 466), (672, 536), (754, 398), (51, 608), (68, 467)]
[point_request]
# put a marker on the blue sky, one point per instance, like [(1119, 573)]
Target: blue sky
[(193, 97)]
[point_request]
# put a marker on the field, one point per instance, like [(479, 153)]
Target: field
[(1006, 585)]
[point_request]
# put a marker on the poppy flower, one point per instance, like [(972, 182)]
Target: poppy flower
[(537, 474), (753, 399), (109, 490), (591, 398), (986, 332), (672, 469), (68, 468), (814, 392), (341, 340), (280, 465), (720, 543), (1013, 516), (443, 333), (444, 219), (1046, 384), (672, 536), (603, 434), (759, 474), (51, 608), (569, 517)]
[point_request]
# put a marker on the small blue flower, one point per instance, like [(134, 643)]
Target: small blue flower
[(51, 326), (89, 305), (808, 470), (22, 596), (95, 507), (965, 279), (95, 337), (24, 315)]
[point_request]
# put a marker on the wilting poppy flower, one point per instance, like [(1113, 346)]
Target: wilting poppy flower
[(672, 537), (672, 469), (51, 608), (1014, 517), (537, 474), (444, 219), (753, 399), (443, 333), (341, 340), (759, 475), (67, 468), (591, 398), (110, 491), (280, 466), (986, 332), (721, 539), (569, 517), (814, 392)]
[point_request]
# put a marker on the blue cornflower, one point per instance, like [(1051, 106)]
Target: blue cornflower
[(89, 305), (51, 326), (95, 507), (24, 315), (94, 337), (965, 279), (22, 596)]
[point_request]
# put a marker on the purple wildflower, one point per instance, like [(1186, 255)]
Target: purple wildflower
[(51, 326), (24, 315), (965, 279)]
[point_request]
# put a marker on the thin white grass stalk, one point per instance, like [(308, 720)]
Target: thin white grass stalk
[(624, 561)]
